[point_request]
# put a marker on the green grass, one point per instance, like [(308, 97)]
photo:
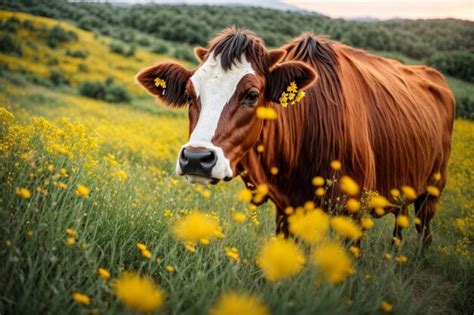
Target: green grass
[(40, 273)]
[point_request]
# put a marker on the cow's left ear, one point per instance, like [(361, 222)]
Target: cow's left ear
[(282, 75), (168, 81)]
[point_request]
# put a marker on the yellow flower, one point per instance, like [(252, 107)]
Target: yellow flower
[(190, 247), (355, 251), (260, 148), (232, 253), (196, 226), (29, 233), (266, 113), (353, 205), (70, 241), (403, 221), (71, 232), (387, 256), (318, 181), (23, 193), (334, 262), (409, 192), (417, 221), (81, 298), (160, 83), (239, 217), (236, 304), (122, 175), (284, 99), (141, 246), (146, 253), (379, 211), (206, 194), (245, 195), (320, 191), (274, 170), (280, 258), (433, 191), (82, 190), (62, 185), (139, 293), (63, 172), (367, 223), (103, 273), (379, 202), (395, 193), (345, 227), (170, 268), (349, 186), (292, 88), (311, 226), (386, 307), (437, 176), (299, 96), (401, 259), (336, 165)]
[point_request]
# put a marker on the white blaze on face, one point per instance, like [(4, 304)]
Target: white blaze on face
[(215, 87)]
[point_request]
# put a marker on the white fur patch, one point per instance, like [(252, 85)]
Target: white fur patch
[(215, 87)]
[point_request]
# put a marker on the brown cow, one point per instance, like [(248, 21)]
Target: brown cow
[(389, 124)]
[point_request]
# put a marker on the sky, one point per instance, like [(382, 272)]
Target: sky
[(380, 9)]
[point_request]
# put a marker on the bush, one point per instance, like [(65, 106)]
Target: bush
[(160, 48), (459, 64), (58, 78), (57, 35), (77, 53), (465, 107), (122, 49), (11, 25), (107, 91), (184, 53), (10, 45)]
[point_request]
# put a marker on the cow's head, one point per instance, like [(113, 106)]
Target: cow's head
[(236, 75)]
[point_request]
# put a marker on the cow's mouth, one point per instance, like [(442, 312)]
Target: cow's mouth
[(199, 179)]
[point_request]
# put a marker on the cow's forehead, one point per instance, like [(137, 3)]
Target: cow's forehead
[(211, 78)]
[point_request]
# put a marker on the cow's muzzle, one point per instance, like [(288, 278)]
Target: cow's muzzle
[(197, 161)]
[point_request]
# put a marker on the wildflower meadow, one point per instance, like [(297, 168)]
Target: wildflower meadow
[(93, 219)]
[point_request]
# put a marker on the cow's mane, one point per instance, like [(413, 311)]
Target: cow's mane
[(232, 43)]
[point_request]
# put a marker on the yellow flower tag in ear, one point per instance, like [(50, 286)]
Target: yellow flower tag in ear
[(161, 83), (291, 95)]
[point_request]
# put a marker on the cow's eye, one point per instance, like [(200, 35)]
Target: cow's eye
[(189, 98), (251, 98)]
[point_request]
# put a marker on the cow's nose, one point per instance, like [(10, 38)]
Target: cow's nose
[(197, 162)]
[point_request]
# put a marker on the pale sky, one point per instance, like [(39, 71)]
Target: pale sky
[(386, 9), (380, 9)]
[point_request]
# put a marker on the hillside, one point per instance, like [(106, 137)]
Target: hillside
[(88, 196)]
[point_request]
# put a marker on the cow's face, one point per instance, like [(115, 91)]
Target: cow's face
[(222, 104)]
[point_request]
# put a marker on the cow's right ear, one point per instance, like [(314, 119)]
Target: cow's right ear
[(167, 81)]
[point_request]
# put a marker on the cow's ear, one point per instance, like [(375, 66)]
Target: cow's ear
[(282, 75), (273, 57), (200, 53), (167, 81)]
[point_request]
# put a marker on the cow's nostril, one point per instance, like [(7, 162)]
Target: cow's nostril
[(209, 160), (197, 162)]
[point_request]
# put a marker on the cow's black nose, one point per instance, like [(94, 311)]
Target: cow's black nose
[(197, 161)]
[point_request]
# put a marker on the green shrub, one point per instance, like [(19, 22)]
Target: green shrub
[(58, 78), (459, 64), (160, 48), (11, 25), (57, 35), (122, 49), (107, 91), (185, 54), (10, 45), (77, 53), (465, 107)]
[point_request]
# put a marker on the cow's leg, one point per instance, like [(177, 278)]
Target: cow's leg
[(282, 223), (425, 209), (397, 231)]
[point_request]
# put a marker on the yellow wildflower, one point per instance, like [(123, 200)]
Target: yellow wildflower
[(336, 165), (234, 303), (387, 256), (266, 113), (284, 99), (292, 88), (433, 191), (160, 83), (280, 258), (345, 227), (63, 172), (308, 205), (409, 192), (141, 246), (29, 233), (401, 259), (334, 262), (82, 190), (379, 202), (196, 226), (206, 194), (367, 223), (50, 168), (274, 170), (71, 232), (379, 211), (81, 298), (311, 226), (260, 148), (170, 268), (320, 191), (8, 243), (355, 251), (299, 96), (23, 193), (403, 221), (349, 186), (232, 253), (386, 307), (122, 175), (353, 205), (417, 221), (103, 273), (139, 293), (395, 193), (437, 176), (190, 247), (146, 253), (245, 195), (239, 217), (70, 241), (318, 181), (62, 185)]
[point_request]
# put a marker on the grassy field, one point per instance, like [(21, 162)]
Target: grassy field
[(84, 181)]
